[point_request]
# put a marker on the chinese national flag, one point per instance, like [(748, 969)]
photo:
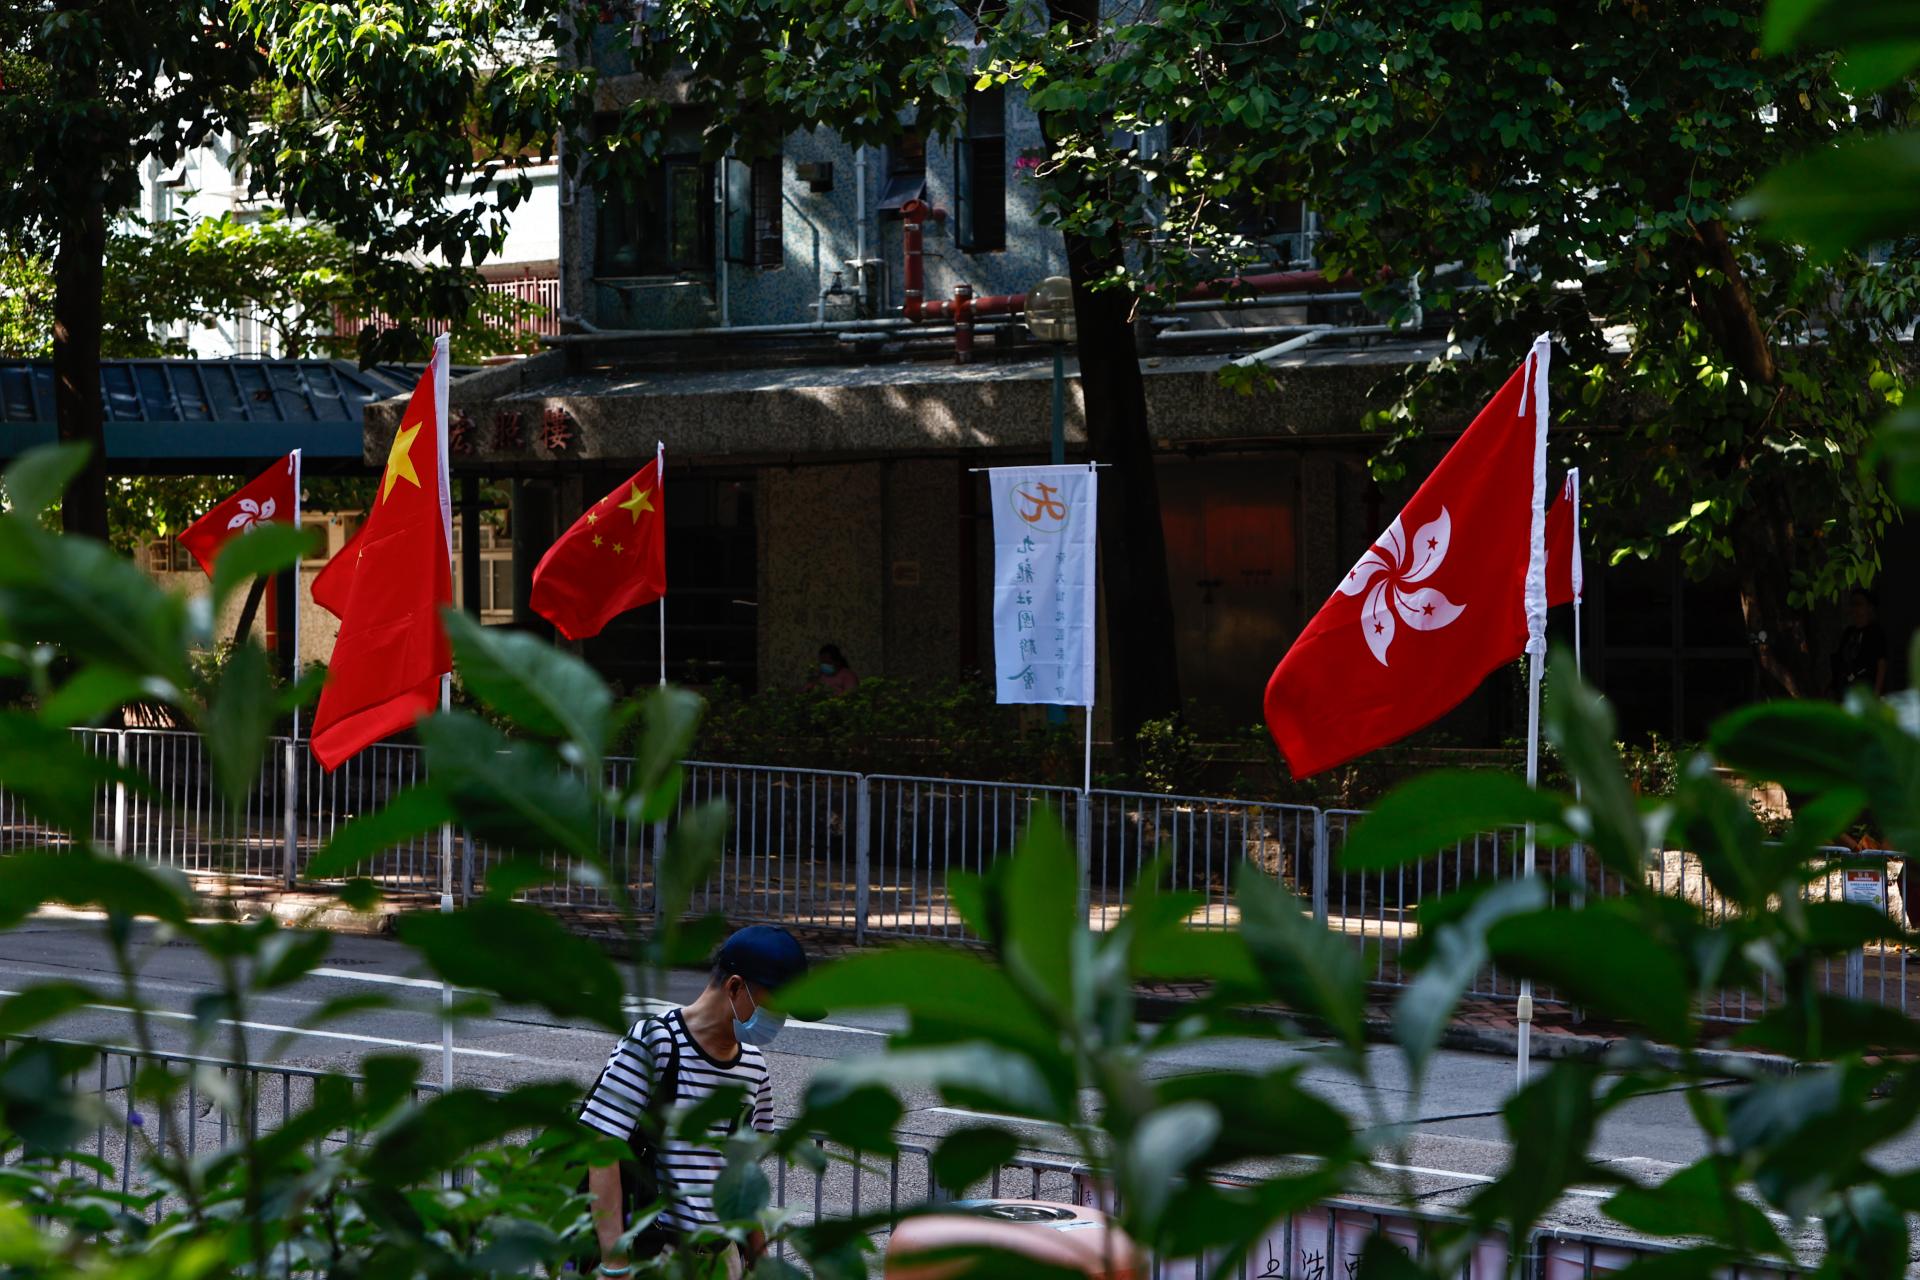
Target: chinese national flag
[(272, 496), (613, 559), (1566, 575), (1455, 587), (387, 587)]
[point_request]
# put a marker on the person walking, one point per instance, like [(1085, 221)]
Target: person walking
[(678, 1060)]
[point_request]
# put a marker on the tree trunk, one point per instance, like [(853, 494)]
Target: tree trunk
[(1145, 671), (1764, 544), (1143, 659), (79, 273)]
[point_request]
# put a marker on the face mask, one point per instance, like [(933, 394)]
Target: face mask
[(760, 1028), (826, 668)]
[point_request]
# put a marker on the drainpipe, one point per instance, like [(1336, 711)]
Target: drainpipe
[(720, 239), (860, 220), (963, 324)]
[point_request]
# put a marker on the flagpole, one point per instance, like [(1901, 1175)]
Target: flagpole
[(660, 482), (1536, 611), (293, 739), (440, 358)]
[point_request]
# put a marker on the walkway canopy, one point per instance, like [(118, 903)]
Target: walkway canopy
[(194, 415)]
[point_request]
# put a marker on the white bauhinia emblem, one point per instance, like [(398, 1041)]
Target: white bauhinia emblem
[(251, 513), (1386, 572)]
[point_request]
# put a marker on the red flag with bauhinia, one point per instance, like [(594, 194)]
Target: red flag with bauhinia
[(1566, 576), (388, 585), (613, 559), (271, 497), (1455, 587)]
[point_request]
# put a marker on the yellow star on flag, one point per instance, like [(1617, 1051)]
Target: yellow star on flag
[(637, 502), (593, 518), (597, 539), (617, 548), (400, 461)]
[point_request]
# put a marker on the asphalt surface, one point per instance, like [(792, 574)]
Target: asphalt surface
[(1443, 1136)]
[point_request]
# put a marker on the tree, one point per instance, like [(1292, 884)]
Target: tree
[(372, 118), (292, 278), (1577, 167), (766, 68)]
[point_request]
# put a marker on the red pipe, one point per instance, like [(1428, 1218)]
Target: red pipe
[(915, 306)]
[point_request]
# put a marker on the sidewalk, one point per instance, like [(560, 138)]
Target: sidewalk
[(1480, 1024)]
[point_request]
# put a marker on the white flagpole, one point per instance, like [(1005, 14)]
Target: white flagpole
[(440, 358), (293, 740), (1093, 614), (1536, 608), (660, 482), (1579, 573)]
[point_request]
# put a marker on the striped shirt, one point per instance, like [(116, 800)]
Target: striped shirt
[(686, 1170)]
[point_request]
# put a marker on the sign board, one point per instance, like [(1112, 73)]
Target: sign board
[(1044, 523), (1866, 885)]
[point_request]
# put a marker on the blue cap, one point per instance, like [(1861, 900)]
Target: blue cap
[(768, 955)]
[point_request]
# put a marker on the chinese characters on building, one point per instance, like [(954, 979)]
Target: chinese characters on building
[(1043, 583)]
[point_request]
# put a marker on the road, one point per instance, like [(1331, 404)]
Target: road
[(1452, 1140)]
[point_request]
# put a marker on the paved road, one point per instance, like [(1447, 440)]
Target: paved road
[(1449, 1139)]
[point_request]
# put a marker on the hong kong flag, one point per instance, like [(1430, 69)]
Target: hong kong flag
[(1566, 576), (1455, 587), (272, 497)]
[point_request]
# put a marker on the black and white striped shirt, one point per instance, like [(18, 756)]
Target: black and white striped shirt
[(687, 1170)]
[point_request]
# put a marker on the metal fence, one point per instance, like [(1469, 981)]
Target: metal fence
[(872, 854), (1317, 1243)]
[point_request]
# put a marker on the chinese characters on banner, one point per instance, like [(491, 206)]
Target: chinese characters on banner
[(1043, 583)]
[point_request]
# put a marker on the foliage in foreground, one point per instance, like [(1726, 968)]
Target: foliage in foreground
[(372, 1177)]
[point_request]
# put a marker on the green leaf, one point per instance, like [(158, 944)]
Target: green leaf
[(1459, 951), (539, 687), (263, 549), (83, 880), (288, 955), (693, 848), (1604, 958), (38, 478), (93, 693), (1579, 724), (1271, 1114), (863, 1119), (238, 720), (1843, 196), (1306, 965), (1039, 899), (978, 1076), (51, 774), (41, 1004), (971, 1155), (521, 954), (958, 990), (1817, 1027), (410, 814), (741, 1191), (1700, 1200), (1550, 1124), (1898, 448), (1804, 745), (1867, 1234), (513, 794), (1836, 24), (435, 1136), (669, 719), (1164, 1144), (1436, 811)]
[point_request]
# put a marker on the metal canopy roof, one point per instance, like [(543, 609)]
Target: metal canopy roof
[(211, 410)]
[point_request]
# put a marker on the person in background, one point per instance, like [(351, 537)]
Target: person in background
[(717, 1042), (1862, 655), (835, 674)]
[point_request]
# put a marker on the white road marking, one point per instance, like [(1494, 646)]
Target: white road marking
[(391, 979), (175, 1016)]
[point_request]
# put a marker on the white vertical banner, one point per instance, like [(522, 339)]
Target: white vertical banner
[(1044, 525)]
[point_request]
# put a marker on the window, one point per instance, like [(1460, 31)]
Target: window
[(661, 225), (980, 173), (906, 172), (769, 231), (753, 212)]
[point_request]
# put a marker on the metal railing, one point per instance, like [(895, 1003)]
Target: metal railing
[(1317, 1243), (872, 854)]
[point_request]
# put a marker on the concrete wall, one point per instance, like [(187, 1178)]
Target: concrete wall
[(821, 577)]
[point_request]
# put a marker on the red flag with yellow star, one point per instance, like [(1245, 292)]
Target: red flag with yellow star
[(388, 585), (612, 560)]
